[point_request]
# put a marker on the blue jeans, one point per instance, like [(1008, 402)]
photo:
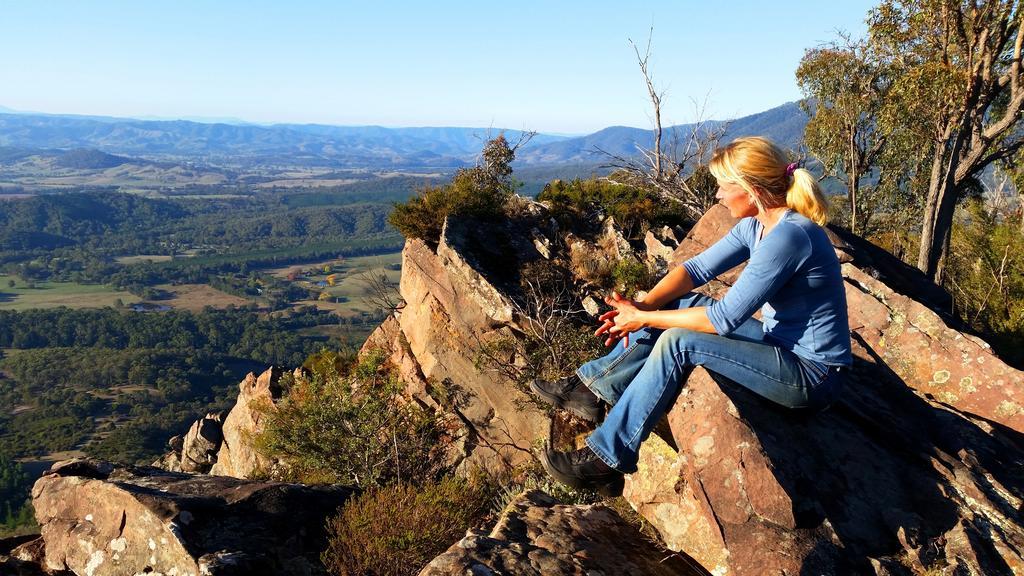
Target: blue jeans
[(642, 381)]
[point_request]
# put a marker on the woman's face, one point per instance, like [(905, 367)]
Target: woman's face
[(736, 199)]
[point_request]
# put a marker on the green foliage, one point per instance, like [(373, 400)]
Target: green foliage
[(351, 426), (630, 275), (396, 530), (143, 377), (942, 103), (634, 210), (480, 192), (15, 506), (75, 236), (845, 86), (985, 275)]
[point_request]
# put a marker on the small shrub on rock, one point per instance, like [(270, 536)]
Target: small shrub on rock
[(630, 275), (636, 210), (396, 530), (351, 426), (481, 192)]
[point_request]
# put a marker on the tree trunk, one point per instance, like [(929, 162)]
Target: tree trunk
[(924, 254), (940, 265), (942, 227), (657, 137), (853, 178)]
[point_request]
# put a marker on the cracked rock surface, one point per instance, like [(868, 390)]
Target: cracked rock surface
[(538, 536), (98, 519)]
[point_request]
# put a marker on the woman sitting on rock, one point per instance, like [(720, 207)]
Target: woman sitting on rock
[(795, 356)]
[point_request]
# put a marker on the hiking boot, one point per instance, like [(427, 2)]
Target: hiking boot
[(583, 469), (570, 394)]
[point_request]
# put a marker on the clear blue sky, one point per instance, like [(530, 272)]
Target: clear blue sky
[(555, 66)]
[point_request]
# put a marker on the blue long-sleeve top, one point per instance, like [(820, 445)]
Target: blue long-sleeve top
[(793, 276)]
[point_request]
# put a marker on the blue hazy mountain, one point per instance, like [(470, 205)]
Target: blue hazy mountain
[(345, 146), (783, 124)]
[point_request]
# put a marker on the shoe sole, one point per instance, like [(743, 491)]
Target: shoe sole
[(557, 402), (609, 489)]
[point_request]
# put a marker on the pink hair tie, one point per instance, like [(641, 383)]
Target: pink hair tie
[(792, 168)]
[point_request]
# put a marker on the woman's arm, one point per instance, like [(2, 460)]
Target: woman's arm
[(695, 319), (671, 286)]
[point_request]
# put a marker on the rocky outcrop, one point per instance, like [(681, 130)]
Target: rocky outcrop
[(237, 457), (659, 246), (221, 443), (920, 466), (98, 519), (940, 362), (202, 442), (896, 478), (455, 304), (538, 536), (23, 556)]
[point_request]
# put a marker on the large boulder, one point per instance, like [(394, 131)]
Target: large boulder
[(202, 442), (538, 536), (457, 301), (237, 456), (98, 519), (896, 478)]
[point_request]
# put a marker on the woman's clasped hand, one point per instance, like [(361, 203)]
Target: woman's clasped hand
[(625, 317)]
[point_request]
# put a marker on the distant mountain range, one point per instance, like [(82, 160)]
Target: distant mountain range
[(783, 124), (371, 147)]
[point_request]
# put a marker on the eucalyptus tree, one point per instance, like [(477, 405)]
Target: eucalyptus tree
[(844, 86), (957, 94)]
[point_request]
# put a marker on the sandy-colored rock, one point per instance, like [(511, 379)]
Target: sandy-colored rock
[(538, 536), (23, 556), (541, 242), (656, 249), (389, 338), (452, 311), (236, 456), (613, 242), (201, 443), (103, 520)]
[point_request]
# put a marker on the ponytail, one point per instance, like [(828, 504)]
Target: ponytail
[(804, 196), (766, 173)]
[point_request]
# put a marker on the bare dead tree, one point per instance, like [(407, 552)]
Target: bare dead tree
[(678, 173), (381, 292), (546, 314), (655, 96)]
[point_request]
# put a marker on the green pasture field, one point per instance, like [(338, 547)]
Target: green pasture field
[(350, 285), (56, 294), (348, 336), (294, 253), (195, 297), (129, 260), (354, 264)]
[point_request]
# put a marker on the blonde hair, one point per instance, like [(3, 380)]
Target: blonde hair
[(762, 169)]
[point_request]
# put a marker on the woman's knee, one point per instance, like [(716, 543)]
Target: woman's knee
[(675, 338)]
